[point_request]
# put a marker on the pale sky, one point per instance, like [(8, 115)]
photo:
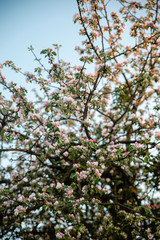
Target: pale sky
[(39, 23)]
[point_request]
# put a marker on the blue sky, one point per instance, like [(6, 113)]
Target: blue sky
[(39, 23)]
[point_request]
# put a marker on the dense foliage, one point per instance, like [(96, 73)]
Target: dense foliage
[(84, 156)]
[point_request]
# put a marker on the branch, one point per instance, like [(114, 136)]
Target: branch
[(19, 150), (86, 32)]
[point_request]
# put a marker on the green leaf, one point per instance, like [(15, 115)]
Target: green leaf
[(43, 51), (54, 53), (72, 175), (146, 159)]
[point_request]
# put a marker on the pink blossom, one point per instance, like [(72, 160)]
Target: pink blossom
[(75, 16), (19, 210), (56, 202), (69, 99), (21, 198), (65, 154), (59, 235)]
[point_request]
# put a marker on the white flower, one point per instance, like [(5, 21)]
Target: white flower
[(19, 209), (59, 235), (69, 99), (16, 212), (59, 185), (65, 154)]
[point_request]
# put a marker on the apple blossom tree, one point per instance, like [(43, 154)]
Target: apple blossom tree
[(85, 154)]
